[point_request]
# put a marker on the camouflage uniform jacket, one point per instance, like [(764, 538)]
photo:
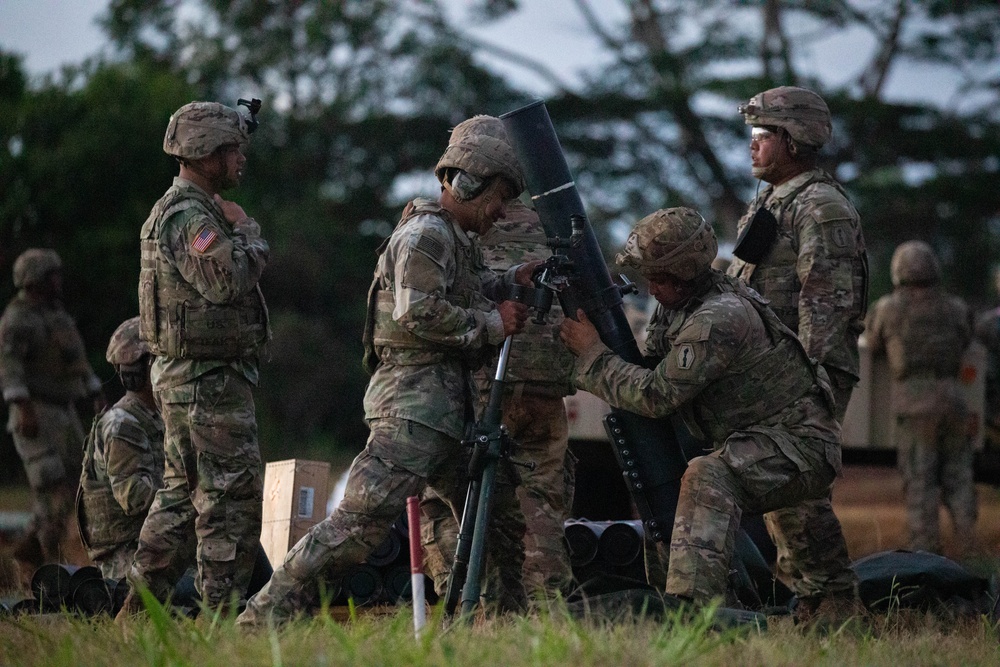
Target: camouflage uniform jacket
[(432, 324), (539, 363), (815, 277), (718, 354), (219, 264), (923, 332), (42, 355), (122, 470)]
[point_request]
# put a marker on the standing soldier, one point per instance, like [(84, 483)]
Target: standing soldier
[(800, 246), (429, 324), (122, 460), (923, 331), (539, 375), (204, 318), (738, 377), (43, 370)]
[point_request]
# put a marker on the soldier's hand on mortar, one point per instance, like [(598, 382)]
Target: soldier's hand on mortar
[(234, 212), (514, 315), (524, 272), (27, 419), (578, 335)]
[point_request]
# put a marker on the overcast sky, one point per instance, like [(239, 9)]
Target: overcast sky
[(50, 33)]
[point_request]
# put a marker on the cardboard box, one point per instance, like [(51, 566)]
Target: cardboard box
[(295, 495)]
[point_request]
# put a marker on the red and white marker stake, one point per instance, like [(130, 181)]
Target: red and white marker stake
[(416, 565)]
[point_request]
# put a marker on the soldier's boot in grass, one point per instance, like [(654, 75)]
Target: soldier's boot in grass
[(132, 608), (832, 612)]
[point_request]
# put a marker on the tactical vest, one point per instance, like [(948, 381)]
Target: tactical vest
[(384, 338), (538, 359), (768, 376), (104, 525), (174, 318), (925, 336), (776, 276), (54, 372)]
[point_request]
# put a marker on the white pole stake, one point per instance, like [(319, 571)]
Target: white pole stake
[(416, 565)]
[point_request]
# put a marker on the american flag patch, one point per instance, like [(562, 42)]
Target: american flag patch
[(204, 239)]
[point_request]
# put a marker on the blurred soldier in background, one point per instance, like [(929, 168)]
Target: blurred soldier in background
[(428, 325), (800, 246), (738, 377), (987, 330), (122, 460), (923, 332), (204, 318), (43, 370), (539, 375)]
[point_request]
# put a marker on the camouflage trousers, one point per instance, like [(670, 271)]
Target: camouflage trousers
[(212, 490), (400, 459), (812, 553), (751, 472), (115, 565), (538, 425), (935, 456), (52, 461)]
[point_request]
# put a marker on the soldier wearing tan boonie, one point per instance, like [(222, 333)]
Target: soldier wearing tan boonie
[(740, 380), (204, 318), (429, 324), (813, 271), (923, 331)]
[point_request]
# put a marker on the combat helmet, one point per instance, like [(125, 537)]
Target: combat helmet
[(801, 112), (914, 263), (126, 348), (479, 146), (33, 265), (677, 241), (198, 128)]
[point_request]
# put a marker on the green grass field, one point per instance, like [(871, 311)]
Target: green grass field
[(866, 500), (551, 638)]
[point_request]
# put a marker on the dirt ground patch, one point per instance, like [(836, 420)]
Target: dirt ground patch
[(869, 502)]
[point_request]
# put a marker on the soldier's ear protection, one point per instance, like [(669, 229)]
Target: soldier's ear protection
[(254, 106)]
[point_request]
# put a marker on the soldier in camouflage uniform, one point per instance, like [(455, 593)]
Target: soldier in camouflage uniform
[(814, 274), (539, 375), (429, 324), (43, 370), (924, 331), (203, 316), (987, 331), (738, 377), (122, 460)]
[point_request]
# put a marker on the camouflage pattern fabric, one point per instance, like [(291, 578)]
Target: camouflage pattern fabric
[(538, 424), (923, 332), (416, 404), (816, 280), (212, 489), (935, 459), (42, 359), (198, 128), (801, 112), (212, 480), (815, 276), (772, 450), (539, 374), (987, 331), (123, 469), (427, 260)]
